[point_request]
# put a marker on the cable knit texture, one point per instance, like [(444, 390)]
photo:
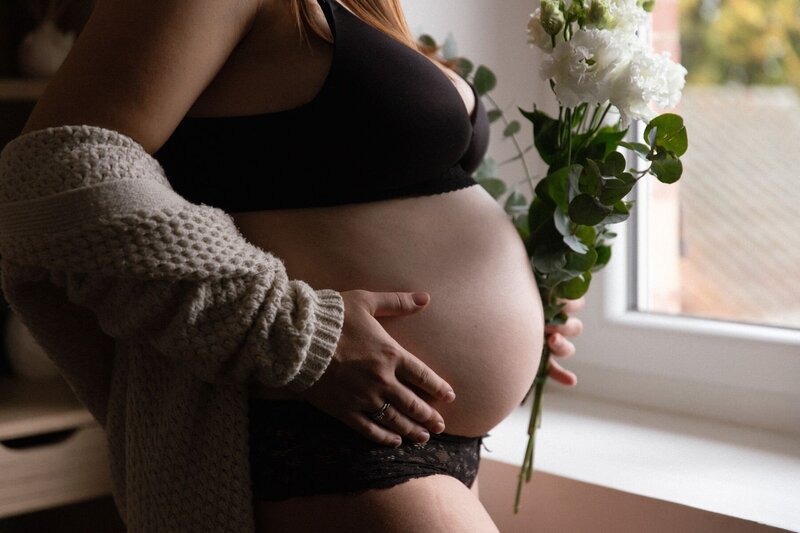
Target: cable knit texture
[(160, 316)]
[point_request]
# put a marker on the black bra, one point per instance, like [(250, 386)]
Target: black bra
[(386, 123)]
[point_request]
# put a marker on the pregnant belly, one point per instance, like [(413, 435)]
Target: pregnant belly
[(483, 328)]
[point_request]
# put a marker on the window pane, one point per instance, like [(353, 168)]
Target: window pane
[(725, 242)]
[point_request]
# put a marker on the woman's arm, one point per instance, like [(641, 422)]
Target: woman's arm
[(136, 68)]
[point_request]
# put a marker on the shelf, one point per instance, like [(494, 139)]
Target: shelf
[(31, 408), (22, 89)]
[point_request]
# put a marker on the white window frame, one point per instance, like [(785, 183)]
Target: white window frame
[(742, 373), (728, 371)]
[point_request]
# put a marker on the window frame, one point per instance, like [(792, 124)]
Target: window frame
[(721, 370), (727, 371)]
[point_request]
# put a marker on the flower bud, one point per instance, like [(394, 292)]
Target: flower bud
[(597, 15), (552, 17), (647, 5), (577, 11), (536, 34)]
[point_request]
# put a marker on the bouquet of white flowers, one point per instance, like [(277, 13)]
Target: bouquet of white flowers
[(596, 62), (599, 67)]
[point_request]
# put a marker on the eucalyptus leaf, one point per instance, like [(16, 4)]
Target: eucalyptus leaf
[(576, 245), (587, 234), (639, 148), (581, 262), (548, 260), (512, 128), (608, 138), (428, 40), (464, 67), (545, 134), (553, 313), (576, 287), (613, 190), (620, 213), (589, 181), (587, 211), (487, 168), (558, 185), (613, 165), (667, 131), (667, 170), (484, 81), (494, 115), (603, 256), (539, 214), (560, 276), (523, 226), (562, 222), (495, 187), (516, 203), (450, 48)]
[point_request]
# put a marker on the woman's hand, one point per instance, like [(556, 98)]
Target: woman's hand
[(560, 346), (370, 368)]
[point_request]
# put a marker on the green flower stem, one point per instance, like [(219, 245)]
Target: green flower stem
[(583, 107), (569, 137), (602, 117), (526, 471), (521, 153)]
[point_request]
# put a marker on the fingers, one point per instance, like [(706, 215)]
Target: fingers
[(560, 346), (561, 374), (571, 306), (414, 412), (381, 304), (571, 328), (394, 420), (369, 429), (414, 372)]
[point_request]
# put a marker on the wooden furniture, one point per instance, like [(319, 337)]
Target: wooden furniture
[(52, 452)]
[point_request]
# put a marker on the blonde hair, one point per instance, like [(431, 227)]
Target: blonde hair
[(385, 15)]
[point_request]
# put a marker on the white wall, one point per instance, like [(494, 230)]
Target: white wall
[(492, 33)]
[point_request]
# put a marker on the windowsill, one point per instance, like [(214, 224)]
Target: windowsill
[(733, 470)]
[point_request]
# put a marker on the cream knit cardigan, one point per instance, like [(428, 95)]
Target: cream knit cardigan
[(159, 314)]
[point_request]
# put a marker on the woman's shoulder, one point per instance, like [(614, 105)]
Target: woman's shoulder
[(137, 67)]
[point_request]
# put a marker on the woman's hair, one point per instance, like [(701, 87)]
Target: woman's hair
[(385, 15)]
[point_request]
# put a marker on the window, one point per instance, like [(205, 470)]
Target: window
[(722, 243), (698, 311)]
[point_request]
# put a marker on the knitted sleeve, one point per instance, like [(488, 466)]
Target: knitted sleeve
[(93, 208)]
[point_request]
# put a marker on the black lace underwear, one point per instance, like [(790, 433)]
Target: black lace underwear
[(298, 450)]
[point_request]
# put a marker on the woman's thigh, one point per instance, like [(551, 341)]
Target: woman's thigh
[(430, 504)]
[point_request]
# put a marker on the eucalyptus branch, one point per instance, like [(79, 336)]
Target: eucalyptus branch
[(520, 152)]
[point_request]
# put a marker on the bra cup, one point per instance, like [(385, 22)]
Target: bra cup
[(387, 122)]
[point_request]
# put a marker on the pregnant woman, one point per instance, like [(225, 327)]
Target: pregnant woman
[(340, 149)]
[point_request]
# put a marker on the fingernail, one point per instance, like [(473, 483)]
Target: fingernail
[(439, 427), (397, 442), (449, 396), (424, 436), (420, 298)]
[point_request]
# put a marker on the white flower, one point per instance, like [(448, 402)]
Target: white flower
[(537, 36), (599, 66), (586, 68), (649, 78), (624, 15)]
